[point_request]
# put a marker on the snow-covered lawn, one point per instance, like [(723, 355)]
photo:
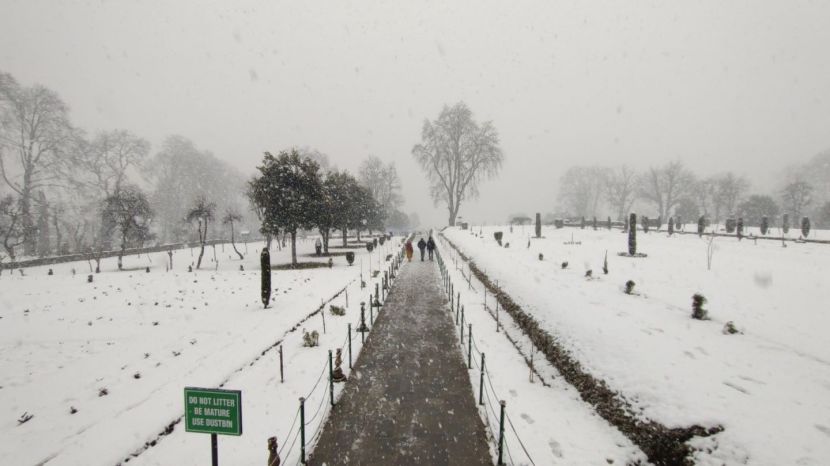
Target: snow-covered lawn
[(143, 337), (769, 387)]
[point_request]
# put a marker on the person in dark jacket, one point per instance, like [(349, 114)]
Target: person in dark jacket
[(422, 245), (430, 247)]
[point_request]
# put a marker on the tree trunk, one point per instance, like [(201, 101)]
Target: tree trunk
[(202, 237), (326, 241), (234, 245), (26, 217), (345, 234), (294, 247)]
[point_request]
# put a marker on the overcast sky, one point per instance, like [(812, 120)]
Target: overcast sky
[(740, 85)]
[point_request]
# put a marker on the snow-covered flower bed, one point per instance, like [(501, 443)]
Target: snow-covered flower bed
[(101, 366), (769, 386)]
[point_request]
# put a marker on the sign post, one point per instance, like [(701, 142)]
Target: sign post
[(213, 411)]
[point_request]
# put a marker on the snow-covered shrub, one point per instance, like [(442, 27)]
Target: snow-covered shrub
[(671, 226), (632, 235), (698, 312), (559, 223), (677, 223), (51, 272), (311, 339), (730, 225), (764, 225), (701, 225), (785, 223), (337, 310), (565, 265), (589, 273), (506, 245), (541, 256), (805, 226), (730, 329), (629, 287), (265, 283)]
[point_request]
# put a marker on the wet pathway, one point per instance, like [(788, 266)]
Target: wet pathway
[(409, 400)]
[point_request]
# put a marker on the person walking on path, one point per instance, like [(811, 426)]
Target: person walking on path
[(431, 247), (409, 250), (422, 245)]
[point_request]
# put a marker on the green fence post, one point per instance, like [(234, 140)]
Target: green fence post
[(331, 380), (302, 430), (481, 383), (501, 432), (470, 348)]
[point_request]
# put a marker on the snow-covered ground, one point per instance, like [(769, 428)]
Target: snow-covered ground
[(768, 387), (547, 421), (145, 336)]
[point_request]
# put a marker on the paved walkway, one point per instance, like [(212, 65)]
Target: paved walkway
[(409, 400)]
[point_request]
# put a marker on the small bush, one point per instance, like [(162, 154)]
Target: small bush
[(337, 310), (730, 329), (311, 339), (805, 226), (565, 265), (541, 256), (629, 287), (698, 312), (589, 273)]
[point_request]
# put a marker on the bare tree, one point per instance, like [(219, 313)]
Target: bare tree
[(232, 216), (728, 190), (34, 128), (796, 196), (102, 163), (621, 191), (666, 186), (202, 214), (581, 189), (382, 181), (11, 231), (456, 153)]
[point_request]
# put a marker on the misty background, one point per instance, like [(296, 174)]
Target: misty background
[(740, 86)]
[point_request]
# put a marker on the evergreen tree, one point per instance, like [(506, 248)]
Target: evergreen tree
[(805, 226), (632, 235), (288, 192)]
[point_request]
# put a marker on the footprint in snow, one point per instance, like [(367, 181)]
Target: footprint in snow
[(555, 448)]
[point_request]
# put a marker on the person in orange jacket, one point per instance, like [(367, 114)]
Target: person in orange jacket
[(409, 250)]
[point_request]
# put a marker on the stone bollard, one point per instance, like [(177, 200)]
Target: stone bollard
[(273, 456)]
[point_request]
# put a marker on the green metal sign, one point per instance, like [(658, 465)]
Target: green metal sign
[(213, 411)]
